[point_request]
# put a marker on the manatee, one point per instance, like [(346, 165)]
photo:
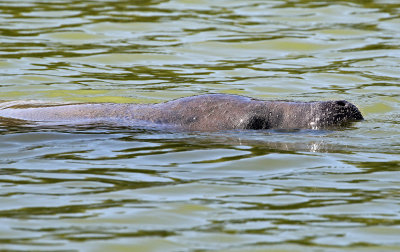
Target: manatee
[(209, 112)]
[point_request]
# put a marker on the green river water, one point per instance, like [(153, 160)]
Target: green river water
[(100, 188)]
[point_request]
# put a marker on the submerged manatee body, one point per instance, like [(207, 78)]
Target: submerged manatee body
[(210, 112)]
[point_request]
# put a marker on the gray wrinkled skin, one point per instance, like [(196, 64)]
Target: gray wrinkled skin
[(210, 112)]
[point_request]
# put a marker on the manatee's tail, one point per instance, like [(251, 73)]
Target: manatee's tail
[(26, 104), (15, 104)]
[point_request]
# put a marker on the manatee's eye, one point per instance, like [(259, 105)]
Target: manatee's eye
[(341, 103), (257, 123)]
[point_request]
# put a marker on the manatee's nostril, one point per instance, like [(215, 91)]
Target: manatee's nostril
[(341, 103)]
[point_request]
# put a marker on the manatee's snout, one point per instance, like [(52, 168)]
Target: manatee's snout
[(350, 111), (336, 113)]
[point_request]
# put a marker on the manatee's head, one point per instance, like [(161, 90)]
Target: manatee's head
[(334, 113)]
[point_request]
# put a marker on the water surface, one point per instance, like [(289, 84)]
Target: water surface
[(103, 188)]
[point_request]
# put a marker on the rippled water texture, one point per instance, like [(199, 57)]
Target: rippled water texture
[(99, 188)]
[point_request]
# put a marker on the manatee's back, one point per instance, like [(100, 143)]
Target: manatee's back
[(203, 112)]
